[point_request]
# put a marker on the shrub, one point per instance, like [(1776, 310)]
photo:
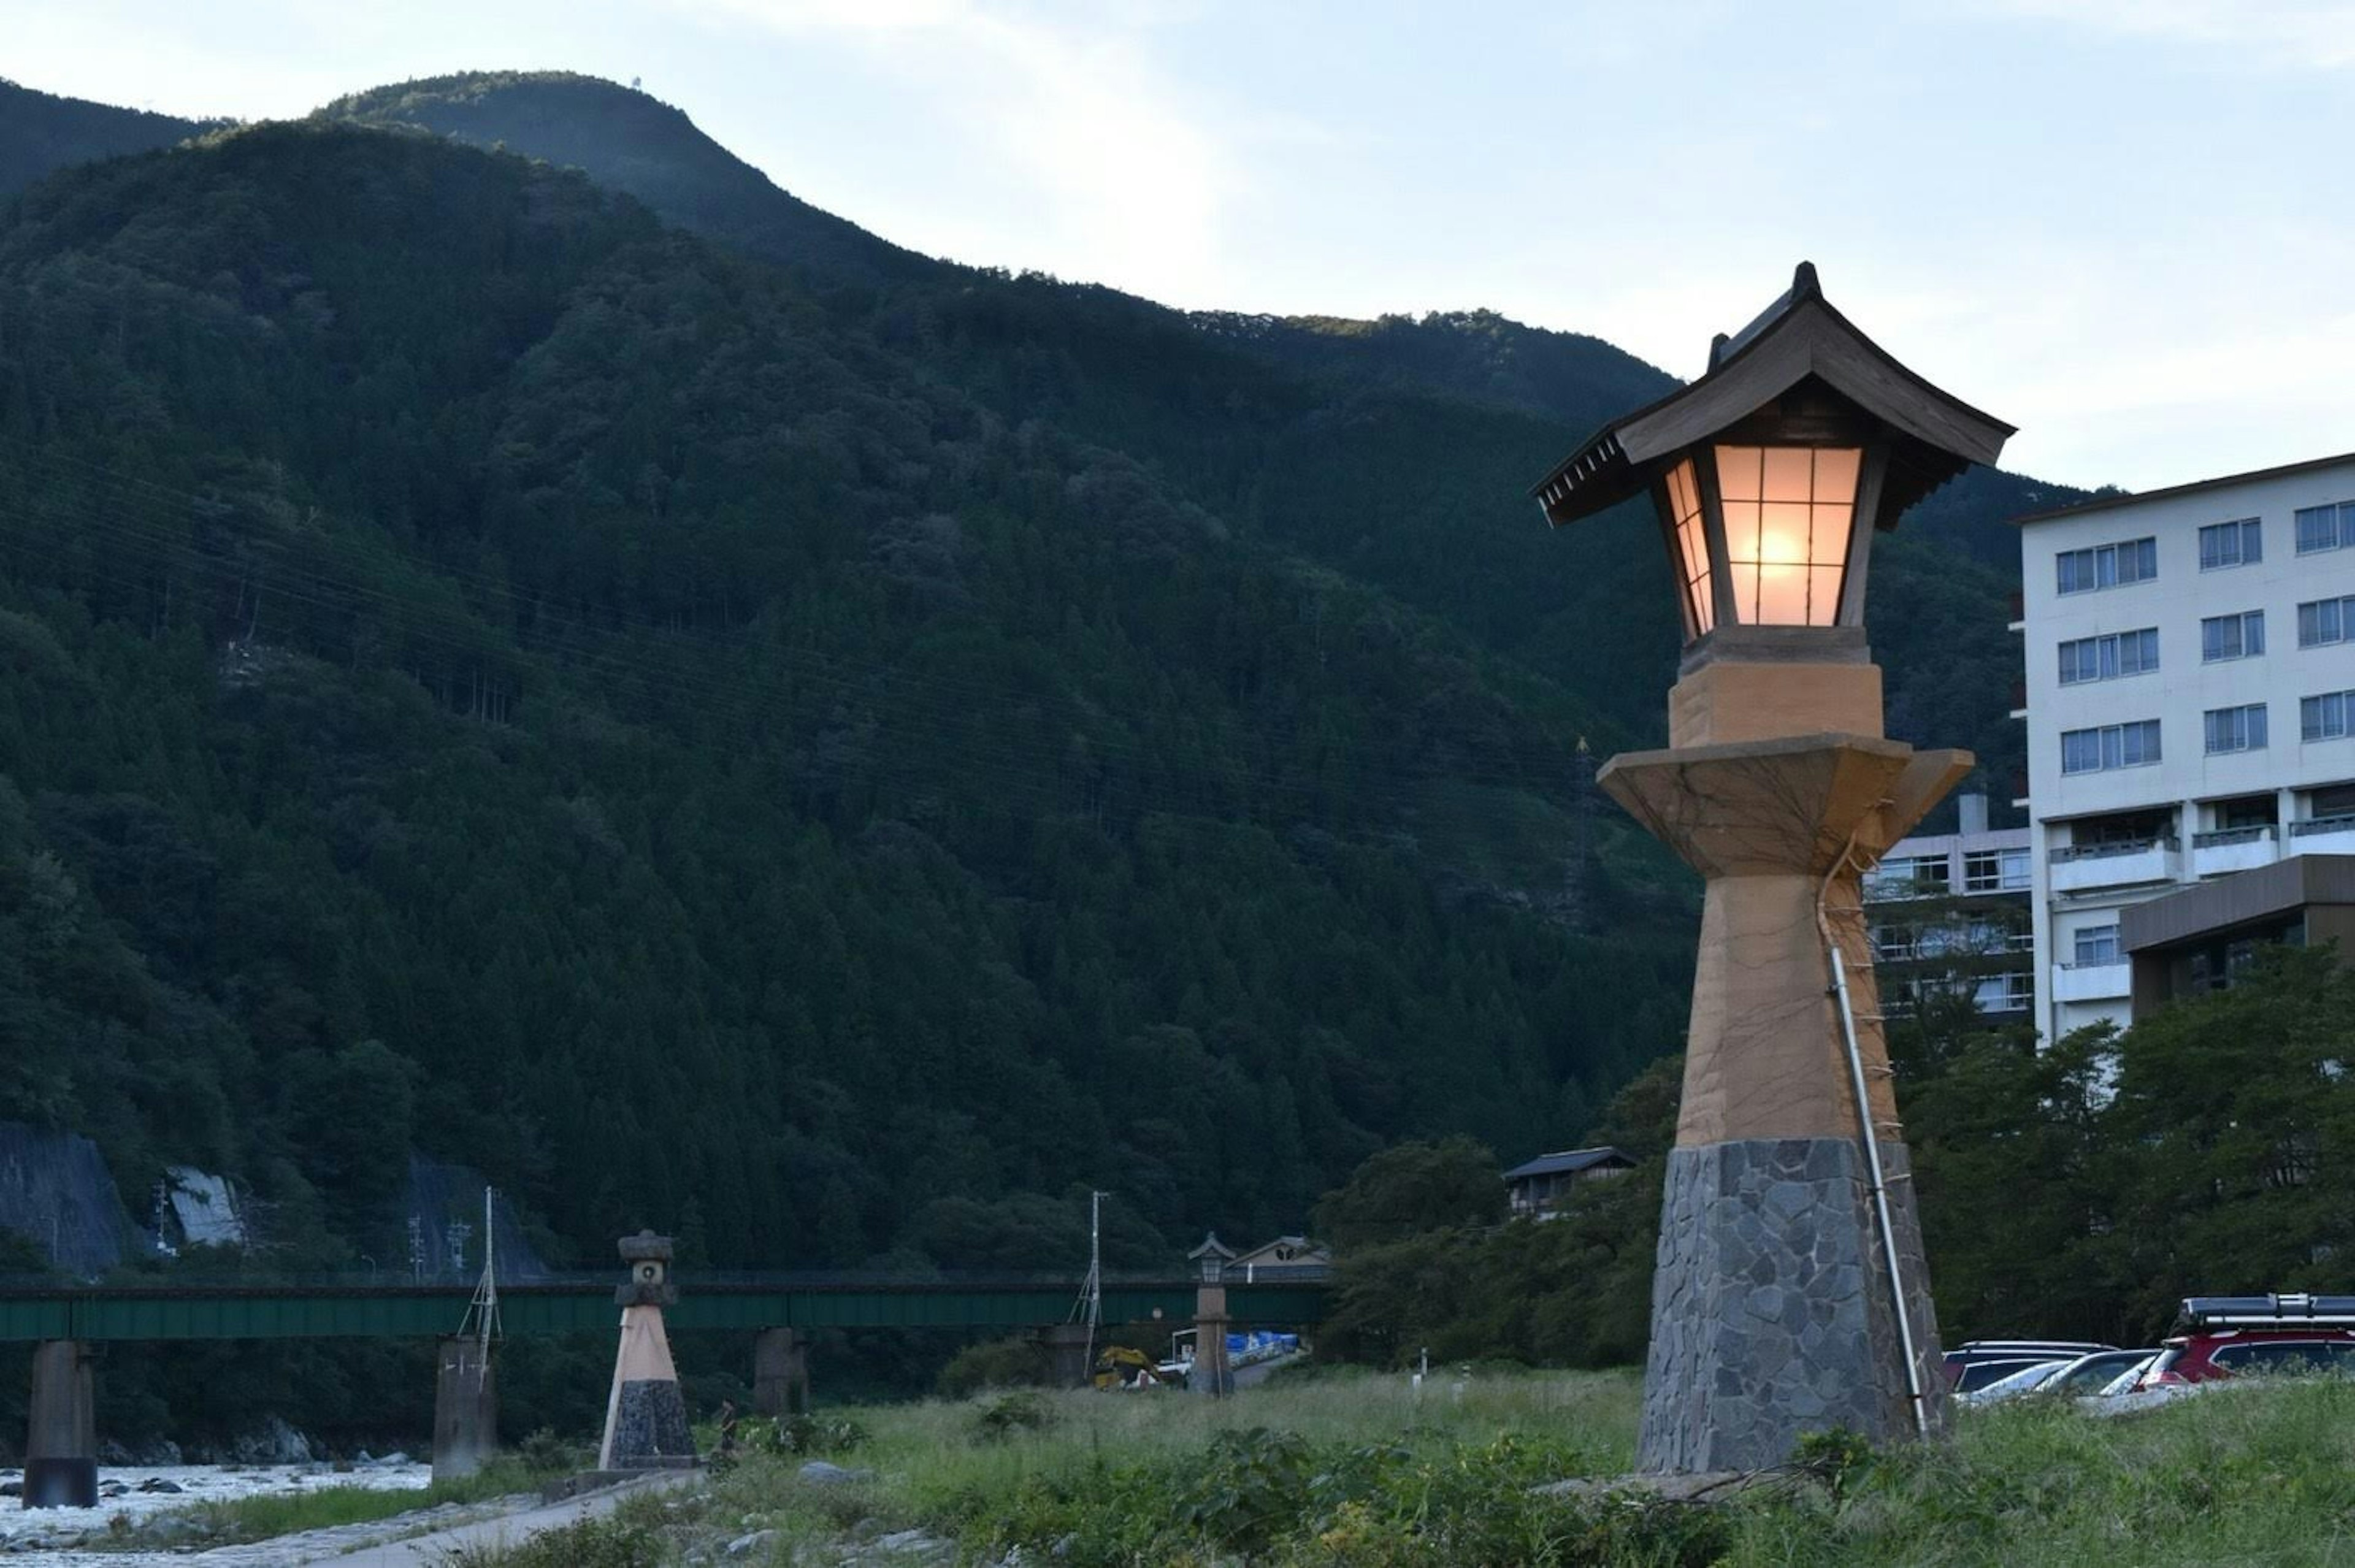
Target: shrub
[(811, 1435), (1019, 1411), (997, 1363)]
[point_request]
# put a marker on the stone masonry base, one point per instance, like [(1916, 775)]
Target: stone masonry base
[(1771, 1307)]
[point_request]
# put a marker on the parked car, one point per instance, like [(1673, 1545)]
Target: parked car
[(2084, 1375), (2129, 1377), (2221, 1336), (1976, 1364), (2011, 1385)]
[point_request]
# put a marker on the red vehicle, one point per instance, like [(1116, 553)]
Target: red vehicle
[(2220, 1337)]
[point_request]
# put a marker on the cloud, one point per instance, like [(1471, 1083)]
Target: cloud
[(2319, 34), (1116, 178)]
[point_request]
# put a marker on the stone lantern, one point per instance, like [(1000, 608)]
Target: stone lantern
[(646, 1415), (1790, 1293)]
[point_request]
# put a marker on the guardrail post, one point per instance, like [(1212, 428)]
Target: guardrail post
[(779, 1374), (61, 1442), (465, 1408)]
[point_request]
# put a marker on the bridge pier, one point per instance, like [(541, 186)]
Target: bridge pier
[(62, 1444), (1067, 1354), (781, 1384), (465, 1409)]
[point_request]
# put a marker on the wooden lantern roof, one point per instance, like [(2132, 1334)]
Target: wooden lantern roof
[(1802, 350)]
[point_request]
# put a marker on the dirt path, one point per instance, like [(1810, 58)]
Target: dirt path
[(507, 1529)]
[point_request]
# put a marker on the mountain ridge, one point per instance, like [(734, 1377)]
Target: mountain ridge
[(1055, 589), (506, 627)]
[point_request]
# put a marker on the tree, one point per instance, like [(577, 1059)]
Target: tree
[(1411, 1189)]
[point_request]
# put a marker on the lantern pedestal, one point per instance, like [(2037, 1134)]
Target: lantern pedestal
[(1773, 1309)]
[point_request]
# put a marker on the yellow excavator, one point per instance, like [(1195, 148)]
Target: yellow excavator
[(1121, 1368)]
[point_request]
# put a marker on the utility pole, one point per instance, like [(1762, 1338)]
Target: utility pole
[(1091, 1302)]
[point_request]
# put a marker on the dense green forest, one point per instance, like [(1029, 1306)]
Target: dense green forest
[(490, 675), (739, 728), (2207, 1150), (1395, 451)]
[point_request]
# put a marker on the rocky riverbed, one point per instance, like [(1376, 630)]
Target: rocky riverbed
[(143, 1515)]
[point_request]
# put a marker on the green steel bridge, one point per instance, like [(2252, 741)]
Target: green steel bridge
[(360, 1309)]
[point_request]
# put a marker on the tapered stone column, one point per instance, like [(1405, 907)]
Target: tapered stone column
[(1213, 1372), (465, 1409), (1067, 1354), (779, 1374), (1774, 1309), (61, 1439), (645, 1413)]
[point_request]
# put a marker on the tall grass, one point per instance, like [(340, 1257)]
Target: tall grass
[(2249, 1476), (266, 1515), (2244, 1476)]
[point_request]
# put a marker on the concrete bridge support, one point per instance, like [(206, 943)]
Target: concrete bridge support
[(781, 1384), (465, 1409), (62, 1444), (1067, 1354)]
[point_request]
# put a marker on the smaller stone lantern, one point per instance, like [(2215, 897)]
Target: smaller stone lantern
[(645, 1415), (1213, 1375)]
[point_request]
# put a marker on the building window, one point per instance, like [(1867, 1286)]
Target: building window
[(2241, 543), (2326, 527), (2240, 636), (1908, 877), (1995, 870), (2109, 657), (2096, 944), (2236, 729), (2110, 746), (2247, 811), (2109, 566), (2321, 622), (2324, 718), (2005, 993)]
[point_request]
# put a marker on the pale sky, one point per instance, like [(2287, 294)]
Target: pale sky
[(2127, 226)]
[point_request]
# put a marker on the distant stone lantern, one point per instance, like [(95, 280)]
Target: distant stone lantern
[(1211, 1373), (1790, 1293), (646, 1415)]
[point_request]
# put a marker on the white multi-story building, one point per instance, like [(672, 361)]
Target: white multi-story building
[(1950, 911), (2190, 659)]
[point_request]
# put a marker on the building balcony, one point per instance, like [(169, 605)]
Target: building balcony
[(2235, 849), (2080, 866), (2323, 836), (2092, 982)]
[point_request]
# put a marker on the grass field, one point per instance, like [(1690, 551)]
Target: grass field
[(1358, 1472)]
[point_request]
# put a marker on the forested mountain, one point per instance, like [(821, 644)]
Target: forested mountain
[(1380, 448), (754, 731), (491, 675), (632, 142), (40, 132)]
